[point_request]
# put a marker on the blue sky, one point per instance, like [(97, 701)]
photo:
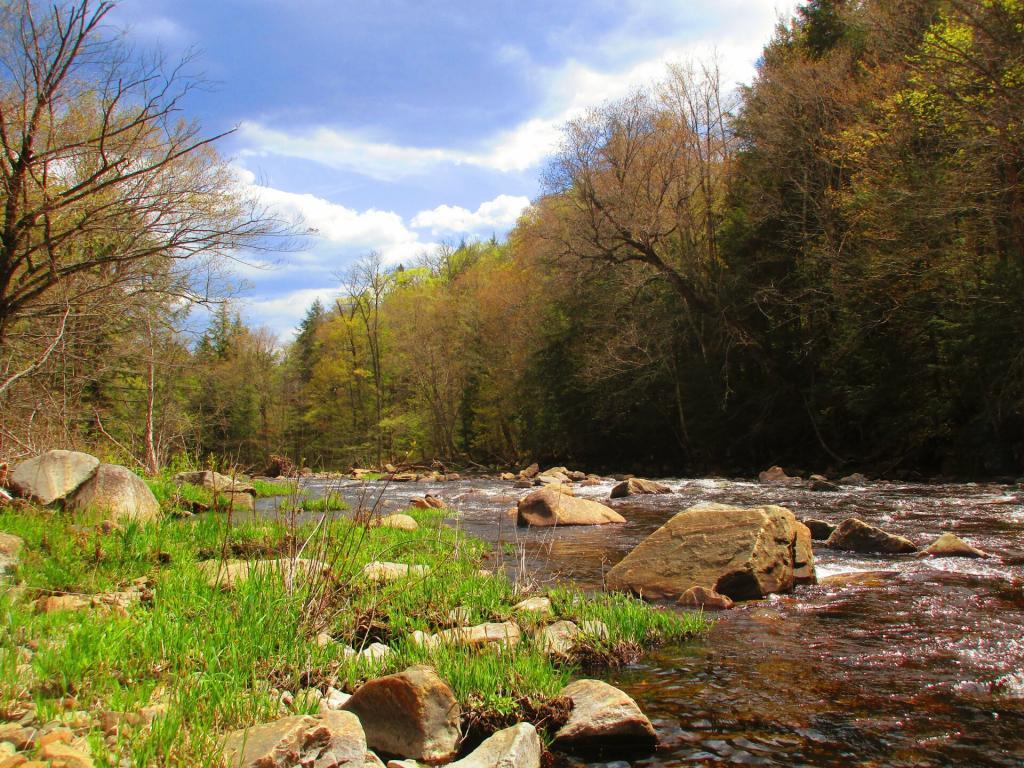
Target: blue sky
[(394, 125)]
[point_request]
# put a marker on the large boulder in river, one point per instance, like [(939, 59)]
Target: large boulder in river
[(118, 493), (777, 476), (635, 486), (603, 718), (820, 529), (854, 535), (52, 475), (332, 740), (411, 714), (744, 554), (951, 545), (548, 507)]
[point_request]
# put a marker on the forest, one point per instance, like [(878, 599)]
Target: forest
[(822, 269)]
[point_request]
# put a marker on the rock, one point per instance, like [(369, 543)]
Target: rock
[(460, 616), (547, 507), (860, 579), (635, 486), (422, 639), (404, 477), (399, 522), (706, 598), (530, 472), (62, 755), (237, 501), (19, 736), (538, 605), (603, 717), (515, 747), (428, 502), (803, 555), (950, 545), (854, 535), (559, 638), (375, 652), (777, 476), (214, 481), (412, 714), (335, 699), (820, 529), (13, 761), (332, 740), (403, 764), (505, 633), (56, 736), (52, 475), (372, 761), (855, 479), (594, 629), (62, 603), (507, 476), (234, 572), (822, 483), (742, 553), (117, 492), (384, 573), (523, 483), (10, 550)]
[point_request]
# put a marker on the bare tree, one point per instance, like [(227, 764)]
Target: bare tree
[(101, 180)]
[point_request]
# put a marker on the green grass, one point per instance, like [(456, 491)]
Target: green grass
[(266, 488), (213, 658), (332, 502)]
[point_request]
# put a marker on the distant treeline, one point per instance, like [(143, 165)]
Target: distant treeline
[(825, 270)]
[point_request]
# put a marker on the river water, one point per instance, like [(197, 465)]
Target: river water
[(904, 662)]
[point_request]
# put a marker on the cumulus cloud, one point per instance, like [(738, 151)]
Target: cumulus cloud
[(608, 68), (497, 215)]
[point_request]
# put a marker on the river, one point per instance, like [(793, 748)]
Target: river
[(915, 662)]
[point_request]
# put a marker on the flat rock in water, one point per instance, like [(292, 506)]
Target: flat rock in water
[(548, 507), (742, 553), (854, 535), (951, 545), (705, 598), (230, 574), (603, 718), (332, 740), (860, 579), (118, 493), (52, 475), (409, 714), (820, 529), (636, 486), (515, 747)]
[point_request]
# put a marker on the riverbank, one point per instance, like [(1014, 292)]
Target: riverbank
[(153, 641)]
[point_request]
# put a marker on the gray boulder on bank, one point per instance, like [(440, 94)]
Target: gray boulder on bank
[(548, 507), (744, 554), (51, 476), (603, 718), (332, 740), (515, 747), (410, 714), (854, 535), (636, 486), (118, 493)]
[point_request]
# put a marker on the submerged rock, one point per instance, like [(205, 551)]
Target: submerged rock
[(706, 598), (854, 535), (51, 476), (951, 545), (409, 714), (117, 492), (515, 747), (548, 507), (744, 554), (332, 740), (603, 718), (635, 486)]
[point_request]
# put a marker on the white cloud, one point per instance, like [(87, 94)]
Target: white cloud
[(733, 34), (497, 215)]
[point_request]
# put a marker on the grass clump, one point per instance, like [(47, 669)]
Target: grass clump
[(210, 660), (267, 488), (331, 502)]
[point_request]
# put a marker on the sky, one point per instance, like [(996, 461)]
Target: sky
[(396, 125)]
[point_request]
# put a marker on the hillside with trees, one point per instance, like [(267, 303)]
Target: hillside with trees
[(823, 269)]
